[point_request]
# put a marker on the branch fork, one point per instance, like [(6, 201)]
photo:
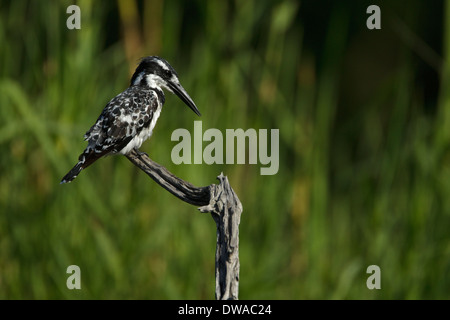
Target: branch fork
[(225, 208)]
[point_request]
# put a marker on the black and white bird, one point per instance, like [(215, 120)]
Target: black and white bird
[(128, 119)]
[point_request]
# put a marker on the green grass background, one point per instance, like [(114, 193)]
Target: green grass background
[(364, 176)]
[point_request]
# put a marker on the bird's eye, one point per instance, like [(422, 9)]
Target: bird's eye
[(168, 73)]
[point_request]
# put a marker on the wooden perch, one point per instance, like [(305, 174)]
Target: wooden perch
[(225, 208)]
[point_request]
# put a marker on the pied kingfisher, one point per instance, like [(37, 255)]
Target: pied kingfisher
[(128, 119)]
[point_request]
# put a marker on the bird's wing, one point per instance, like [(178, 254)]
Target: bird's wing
[(121, 120)]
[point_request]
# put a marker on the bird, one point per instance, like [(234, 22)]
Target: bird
[(130, 117)]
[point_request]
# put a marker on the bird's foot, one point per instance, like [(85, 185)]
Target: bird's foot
[(139, 152)]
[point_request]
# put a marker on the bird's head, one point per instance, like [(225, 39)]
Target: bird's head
[(155, 72)]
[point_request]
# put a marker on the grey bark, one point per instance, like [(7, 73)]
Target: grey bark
[(225, 208)]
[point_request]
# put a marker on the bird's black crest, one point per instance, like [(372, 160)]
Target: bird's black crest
[(156, 65)]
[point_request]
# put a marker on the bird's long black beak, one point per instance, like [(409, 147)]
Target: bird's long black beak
[(183, 95)]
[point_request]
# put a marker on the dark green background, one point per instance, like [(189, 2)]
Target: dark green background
[(364, 177)]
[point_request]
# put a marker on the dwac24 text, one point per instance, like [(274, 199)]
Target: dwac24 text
[(245, 309)]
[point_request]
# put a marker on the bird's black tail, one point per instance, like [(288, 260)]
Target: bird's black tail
[(72, 174), (87, 158)]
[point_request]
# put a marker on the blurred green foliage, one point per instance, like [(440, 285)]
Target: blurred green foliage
[(364, 178)]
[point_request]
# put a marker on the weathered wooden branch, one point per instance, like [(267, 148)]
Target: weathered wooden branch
[(225, 208)]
